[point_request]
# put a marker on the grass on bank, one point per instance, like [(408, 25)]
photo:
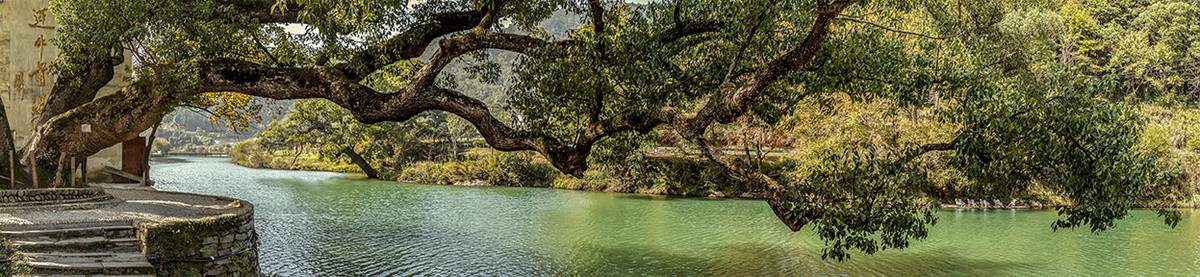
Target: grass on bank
[(666, 176), (1171, 134)]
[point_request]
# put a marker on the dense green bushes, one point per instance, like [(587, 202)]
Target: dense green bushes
[(664, 175), (653, 175), (250, 154), (500, 169), (1170, 134)]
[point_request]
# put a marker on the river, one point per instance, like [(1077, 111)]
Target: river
[(330, 224)]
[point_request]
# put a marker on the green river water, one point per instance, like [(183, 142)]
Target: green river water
[(329, 224)]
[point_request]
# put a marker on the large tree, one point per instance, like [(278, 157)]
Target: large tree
[(683, 66)]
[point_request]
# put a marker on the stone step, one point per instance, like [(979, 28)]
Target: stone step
[(93, 275), (52, 233), (44, 264), (64, 225), (92, 269), (80, 245), (89, 264), (77, 258)]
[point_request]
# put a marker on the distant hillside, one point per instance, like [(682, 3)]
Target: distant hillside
[(190, 131)]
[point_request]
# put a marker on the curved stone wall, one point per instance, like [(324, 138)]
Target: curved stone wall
[(216, 246)]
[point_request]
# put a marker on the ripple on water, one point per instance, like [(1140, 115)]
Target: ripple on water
[(320, 224)]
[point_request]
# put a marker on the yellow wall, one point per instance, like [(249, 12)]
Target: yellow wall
[(23, 55)]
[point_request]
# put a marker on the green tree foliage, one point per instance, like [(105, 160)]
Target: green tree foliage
[(1153, 45), (319, 127), (998, 70), (1062, 132)]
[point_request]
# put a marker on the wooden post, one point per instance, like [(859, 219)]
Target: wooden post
[(58, 175), (12, 169), (73, 184), (33, 169), (83, 170)]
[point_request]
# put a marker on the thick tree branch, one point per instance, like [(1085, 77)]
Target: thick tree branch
[(492, 12), (596, 12), (454, 47), (75, 88), (924, 149), (409, 44), (726, 106), (367, 105), (728, 103), (497, 134), (688, 28), (114, 118)]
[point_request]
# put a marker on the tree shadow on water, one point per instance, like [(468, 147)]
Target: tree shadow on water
[(942, 261), (768, 259)]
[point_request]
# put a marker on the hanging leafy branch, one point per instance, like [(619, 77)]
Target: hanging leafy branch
[(686, 66)]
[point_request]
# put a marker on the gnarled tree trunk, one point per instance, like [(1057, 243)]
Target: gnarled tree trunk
[(114, 118), (71, 90), (360, 162)]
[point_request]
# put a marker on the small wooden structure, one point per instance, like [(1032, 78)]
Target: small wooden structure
[(133, 153)]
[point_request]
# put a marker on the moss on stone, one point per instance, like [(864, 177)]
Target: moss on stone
[(15, 263), (245, 264), (185, 240)]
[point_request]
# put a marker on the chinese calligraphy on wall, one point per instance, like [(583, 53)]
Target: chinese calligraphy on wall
[(37, 71)]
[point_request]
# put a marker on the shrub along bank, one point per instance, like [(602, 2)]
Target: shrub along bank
[(1170, 134), (663, 176)]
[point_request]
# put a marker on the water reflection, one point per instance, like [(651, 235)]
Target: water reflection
[(324, 224)]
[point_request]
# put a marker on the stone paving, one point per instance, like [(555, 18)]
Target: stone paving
[(137, 205), (102, 239)]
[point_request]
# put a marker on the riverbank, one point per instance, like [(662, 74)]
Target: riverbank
[(662, 176), (654, 164), (666, 176)]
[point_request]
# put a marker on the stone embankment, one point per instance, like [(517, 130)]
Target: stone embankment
[(132, 232)]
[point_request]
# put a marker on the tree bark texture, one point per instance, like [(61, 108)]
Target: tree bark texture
[(360, 162), (122, 115)]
